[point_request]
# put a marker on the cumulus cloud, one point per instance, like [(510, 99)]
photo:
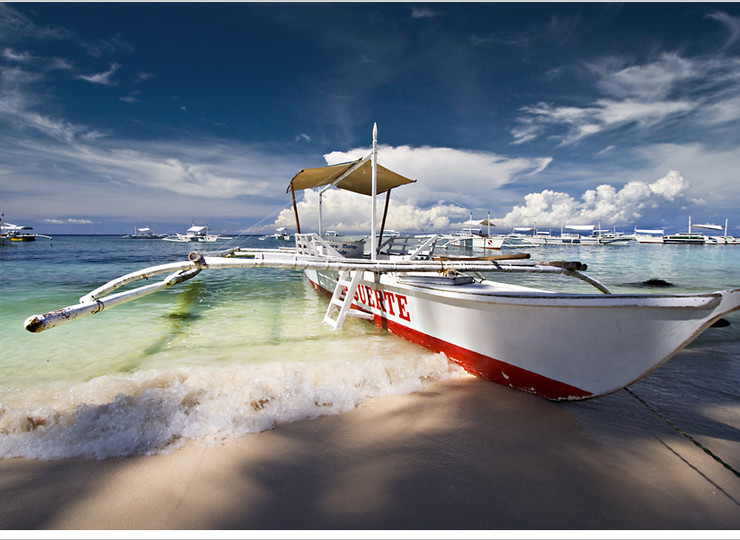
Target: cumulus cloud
[(349, 212), (605, 204), (449, 179), (448, 173)]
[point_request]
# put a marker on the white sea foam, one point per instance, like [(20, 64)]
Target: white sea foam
[(156, 411)]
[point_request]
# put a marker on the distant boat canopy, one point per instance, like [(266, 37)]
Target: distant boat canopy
[(710, 227), (649, 231)]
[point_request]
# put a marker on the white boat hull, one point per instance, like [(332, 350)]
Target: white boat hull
[(487, 242), (556, 346), (648, 239)]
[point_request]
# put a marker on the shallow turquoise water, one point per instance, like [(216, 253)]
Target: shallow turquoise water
[(235, 351)]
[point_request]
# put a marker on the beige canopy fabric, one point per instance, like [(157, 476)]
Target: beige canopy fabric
[(358, 181)]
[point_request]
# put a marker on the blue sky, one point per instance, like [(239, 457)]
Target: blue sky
[(161, 114)]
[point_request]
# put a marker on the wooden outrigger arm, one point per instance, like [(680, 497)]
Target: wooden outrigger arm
[(178, 272)]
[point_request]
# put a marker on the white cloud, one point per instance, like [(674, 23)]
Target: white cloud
[(349, 212), (605, 204), (422, 13), (651, 81), (731, 23), (104, 78), (15, 25), (603, 115), (725, 109), (14, 56), (73, 221), (451, 180), (448, 173), (642, 96), (712, 172), (209, 171)]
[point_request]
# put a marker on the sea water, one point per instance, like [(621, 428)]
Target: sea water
[(233, 352)]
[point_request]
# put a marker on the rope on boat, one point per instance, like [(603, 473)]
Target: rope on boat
[(682, 432)]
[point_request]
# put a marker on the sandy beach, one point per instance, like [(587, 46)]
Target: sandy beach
[(463, 454)]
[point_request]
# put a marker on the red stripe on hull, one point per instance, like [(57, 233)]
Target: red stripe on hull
[(483, 367)]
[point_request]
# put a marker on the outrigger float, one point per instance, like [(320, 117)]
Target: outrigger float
[(558, 346)]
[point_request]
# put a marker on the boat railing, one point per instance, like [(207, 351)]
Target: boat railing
[(409, 247), (418, 247), (312, 244)]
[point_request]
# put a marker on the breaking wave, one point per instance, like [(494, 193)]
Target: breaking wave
[(157, 411)]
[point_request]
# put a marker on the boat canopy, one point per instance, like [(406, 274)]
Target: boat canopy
[(358, 180), (480, 222), (10, 227), (650, 231), (709, 226)]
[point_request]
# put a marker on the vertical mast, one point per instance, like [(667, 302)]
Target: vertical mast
[(373, 239)]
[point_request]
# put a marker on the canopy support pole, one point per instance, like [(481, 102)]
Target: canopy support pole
[(333, 185), (385, 215), (295, 210)]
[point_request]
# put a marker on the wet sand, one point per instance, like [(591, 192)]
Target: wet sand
[(463, 454)]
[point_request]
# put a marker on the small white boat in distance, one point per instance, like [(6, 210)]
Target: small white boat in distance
[(522, 237), (556, 345), (281, 233), (196, 233), (143, 233), (717, 240), (471, 236), (649, 236)]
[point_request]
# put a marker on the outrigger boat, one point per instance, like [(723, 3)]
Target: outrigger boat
[(559, 346), (196, 233), (17, 233), (143, 233)]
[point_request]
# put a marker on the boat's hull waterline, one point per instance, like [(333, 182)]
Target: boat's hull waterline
[(556, 346)]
